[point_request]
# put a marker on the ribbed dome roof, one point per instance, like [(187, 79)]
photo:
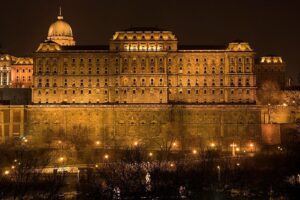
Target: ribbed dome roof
[(60, 28), (61, 32)]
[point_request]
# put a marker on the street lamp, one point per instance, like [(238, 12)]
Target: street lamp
[(251, 146), (150, 154), (106, 156), (269, 113), (6, 172), (219, 173), (233, 145), (194, 151), (61, 159), (212, 145)]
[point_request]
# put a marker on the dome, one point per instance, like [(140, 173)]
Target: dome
[(61, 32)]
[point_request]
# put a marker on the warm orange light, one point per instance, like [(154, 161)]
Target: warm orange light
[(150, 154), (59, 141), (233, 145), (174, 144), (6, 172), (237, 149), (172, 165), (97, 142), (96, 166), (212, 144), (195, 151), (61, 159), (13, 167), (106, 156), (135, 143)]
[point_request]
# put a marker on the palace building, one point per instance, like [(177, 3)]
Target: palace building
[(141, 86), (141, 65)]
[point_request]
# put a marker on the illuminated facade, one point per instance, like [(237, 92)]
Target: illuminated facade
[(21, 73), (15, 72), (141, 65), (136, 89)]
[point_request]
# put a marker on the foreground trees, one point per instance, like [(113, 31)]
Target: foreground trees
[(21, 173), (208, 174)]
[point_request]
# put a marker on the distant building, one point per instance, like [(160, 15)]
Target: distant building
[(21, 73), (5, 70), (270, 69), (15, 72)]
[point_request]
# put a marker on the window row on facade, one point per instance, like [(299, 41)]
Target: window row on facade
[(143, 61)]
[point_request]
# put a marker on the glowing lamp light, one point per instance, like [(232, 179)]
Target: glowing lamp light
[(96, 166), (97, 142), (6, 172), (284, 104), (59, 141), (13, 167), (135, 143), (106, 156), (195, 151), (237, 149), (251, 145), (61, 159), (172, 165), (212, 145), (218, 167), (233, 145), (174, 144), (150, 154), (238, 164)]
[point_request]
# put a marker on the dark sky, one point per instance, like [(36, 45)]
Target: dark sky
[(270, 26)]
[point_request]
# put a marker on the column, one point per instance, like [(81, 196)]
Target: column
[(1, 79), (7, 80), (22, 121), (11, 122), (2, 126)]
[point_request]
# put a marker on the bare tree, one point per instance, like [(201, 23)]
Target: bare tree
[(269, 93), (22, 175)]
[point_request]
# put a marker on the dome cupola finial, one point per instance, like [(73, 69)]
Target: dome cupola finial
[(60, 14)]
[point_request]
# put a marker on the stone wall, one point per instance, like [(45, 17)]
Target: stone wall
[(120, 126), (11, 122)]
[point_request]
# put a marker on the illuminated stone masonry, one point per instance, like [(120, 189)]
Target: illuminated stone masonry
[(15, 72), (117, 126), (141, 65)]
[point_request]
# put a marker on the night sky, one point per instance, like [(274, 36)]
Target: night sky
[(270, 26)]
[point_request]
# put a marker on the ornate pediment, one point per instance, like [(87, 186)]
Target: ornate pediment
[(48, 46), (239, 46)]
